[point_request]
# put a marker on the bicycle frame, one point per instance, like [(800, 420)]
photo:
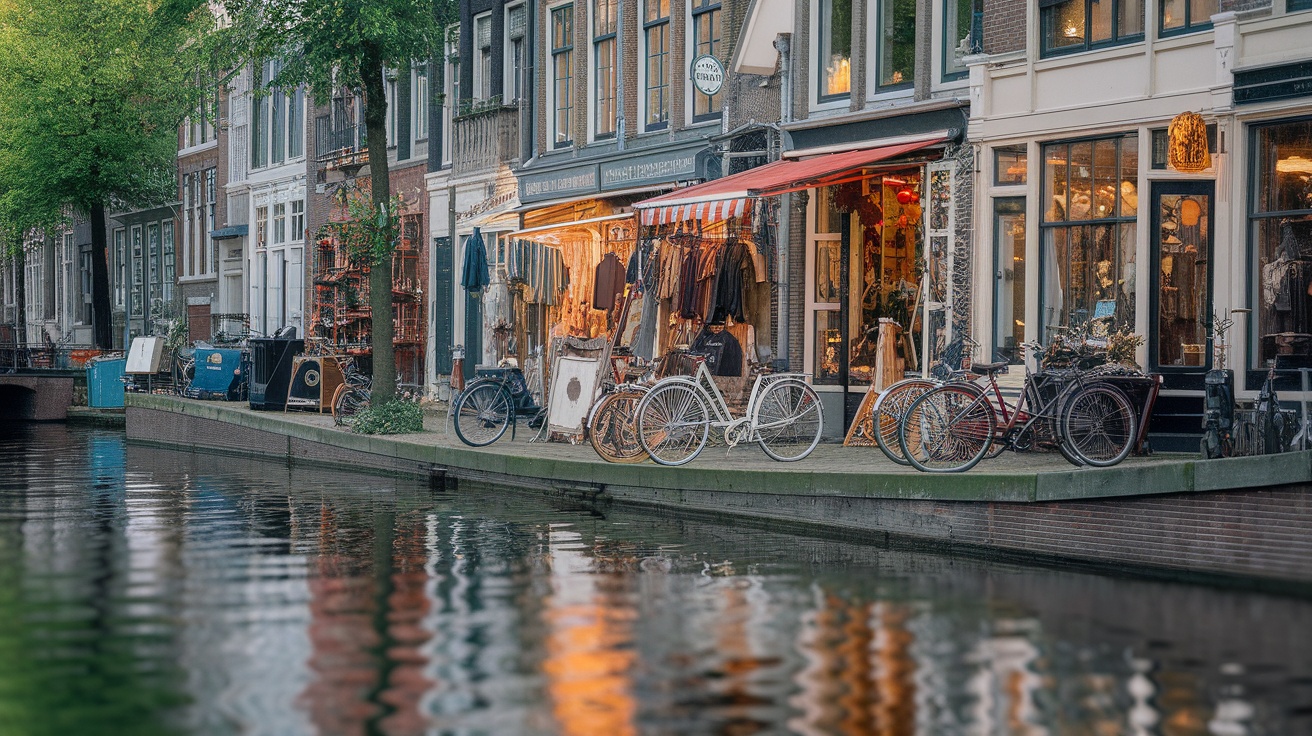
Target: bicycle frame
[(731, 428)]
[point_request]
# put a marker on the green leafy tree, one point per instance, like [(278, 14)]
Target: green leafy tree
[(91, 96), (327, 44)]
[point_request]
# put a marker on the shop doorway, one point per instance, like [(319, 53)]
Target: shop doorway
[(1181, 308), (1009, 278)]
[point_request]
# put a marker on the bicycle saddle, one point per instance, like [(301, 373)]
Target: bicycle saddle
[(988, 369)]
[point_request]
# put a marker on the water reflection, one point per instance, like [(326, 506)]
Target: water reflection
[(146, 591)]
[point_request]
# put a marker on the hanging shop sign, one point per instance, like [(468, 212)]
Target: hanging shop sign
[(1187, 143), (707, 74)]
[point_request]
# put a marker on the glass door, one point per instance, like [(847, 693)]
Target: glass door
[(1009, 278), (1182, 273)]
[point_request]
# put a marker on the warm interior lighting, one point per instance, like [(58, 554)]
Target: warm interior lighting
[(1294, 165), (838, 76)]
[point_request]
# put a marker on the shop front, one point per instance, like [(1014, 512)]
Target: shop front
[(879, 251)]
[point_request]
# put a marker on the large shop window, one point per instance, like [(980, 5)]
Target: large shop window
[(897, 43), (1088, 232), (562, 66), (882, 271), (1281, 226), (1010, 274), (835, 52), (1078, 25)]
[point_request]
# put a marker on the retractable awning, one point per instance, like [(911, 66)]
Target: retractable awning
[(723, 198)]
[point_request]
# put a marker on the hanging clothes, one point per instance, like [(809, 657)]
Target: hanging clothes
[(688, 283), (724, 355), (608, 281), (475, 274), (735, 266)]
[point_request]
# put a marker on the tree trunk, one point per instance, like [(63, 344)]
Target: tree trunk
[(380, 271), (102, 317)]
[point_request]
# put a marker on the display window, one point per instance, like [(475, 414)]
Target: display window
[(1280, 220), (1011, 272), (1087, 245), (1181, 246), (874, 273)]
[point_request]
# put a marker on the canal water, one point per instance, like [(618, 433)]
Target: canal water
[(146, 591)]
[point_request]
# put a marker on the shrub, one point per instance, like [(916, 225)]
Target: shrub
[(397, 416)]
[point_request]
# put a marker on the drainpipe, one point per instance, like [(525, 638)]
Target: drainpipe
[(784, 44), (619, 76)]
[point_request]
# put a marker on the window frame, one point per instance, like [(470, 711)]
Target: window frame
[(1047, 52), (663, 61), (514, 55), (595, 90), (818, 49), (274, 129), (561, 57), (954, 76), (482, 69), (1118, 222), (697, 9), (1188, 27), (879, 48)]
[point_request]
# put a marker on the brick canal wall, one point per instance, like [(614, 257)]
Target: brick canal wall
[(1260, 536)]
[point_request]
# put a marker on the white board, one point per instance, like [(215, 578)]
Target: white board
[(573, 389), (145, 355)]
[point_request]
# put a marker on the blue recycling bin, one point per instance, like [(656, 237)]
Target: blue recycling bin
[(105, 383)]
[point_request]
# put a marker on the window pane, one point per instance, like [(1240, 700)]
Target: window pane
[(1063, 25), (1284, 274), (828, 346), (827, 271), (1055, 170), (835, 47), (826, 212), (1173, 12), (1201, 11), (1100, 20), (1129, 192), (605, 93), (1284, 167), (897, 48), (657, 83), (956, 37), (706, 40), (1184, 306), (1130, 18), (1103, 195), (562, 32), (1009, 165), (1009, 303)]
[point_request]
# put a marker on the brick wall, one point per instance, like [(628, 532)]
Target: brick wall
[(1004, 26)]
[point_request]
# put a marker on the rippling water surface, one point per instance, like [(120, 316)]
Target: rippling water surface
[(145, 591)]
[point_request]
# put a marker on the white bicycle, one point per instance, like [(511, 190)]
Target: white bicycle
[(675, 418)]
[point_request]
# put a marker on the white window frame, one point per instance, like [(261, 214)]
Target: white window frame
[(594, 102), (550, 76), (690, 53), (873, 92), (814, 101), (264, 109), (482, 77), (508, 73), (419, 129)]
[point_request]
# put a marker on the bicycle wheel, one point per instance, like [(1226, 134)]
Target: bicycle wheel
[(947, 430), (889, 409), (673, 423), (1098, 425), (348, 401), (612, 429), (787, 420), (482, 414)]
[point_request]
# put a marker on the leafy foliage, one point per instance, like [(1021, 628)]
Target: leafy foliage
[(91, 96), (398, 416)]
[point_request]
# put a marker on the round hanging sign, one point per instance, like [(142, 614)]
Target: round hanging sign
[(1187, 143), (707, 74)]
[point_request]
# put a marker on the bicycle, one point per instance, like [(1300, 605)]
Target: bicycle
[(353, 395), (783, 415), (611, 427), (492, 402), (950, 429), (886, 415)]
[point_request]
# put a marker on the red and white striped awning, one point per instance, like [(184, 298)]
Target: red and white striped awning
[(721, 199), (713, 211)]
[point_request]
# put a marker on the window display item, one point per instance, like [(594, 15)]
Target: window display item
[(724, 355)]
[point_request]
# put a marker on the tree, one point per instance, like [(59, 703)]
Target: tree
[(91, 96), (345, 43)]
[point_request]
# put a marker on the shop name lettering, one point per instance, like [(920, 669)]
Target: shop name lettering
[(581, 180), (484, 206), (648, 170)]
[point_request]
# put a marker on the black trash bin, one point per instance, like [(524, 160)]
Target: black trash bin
[(271, 370)]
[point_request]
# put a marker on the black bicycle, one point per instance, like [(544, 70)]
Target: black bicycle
[(495, 400)]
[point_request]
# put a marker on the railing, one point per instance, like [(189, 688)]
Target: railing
[(20, 356), (485, 139), (340, 145)]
